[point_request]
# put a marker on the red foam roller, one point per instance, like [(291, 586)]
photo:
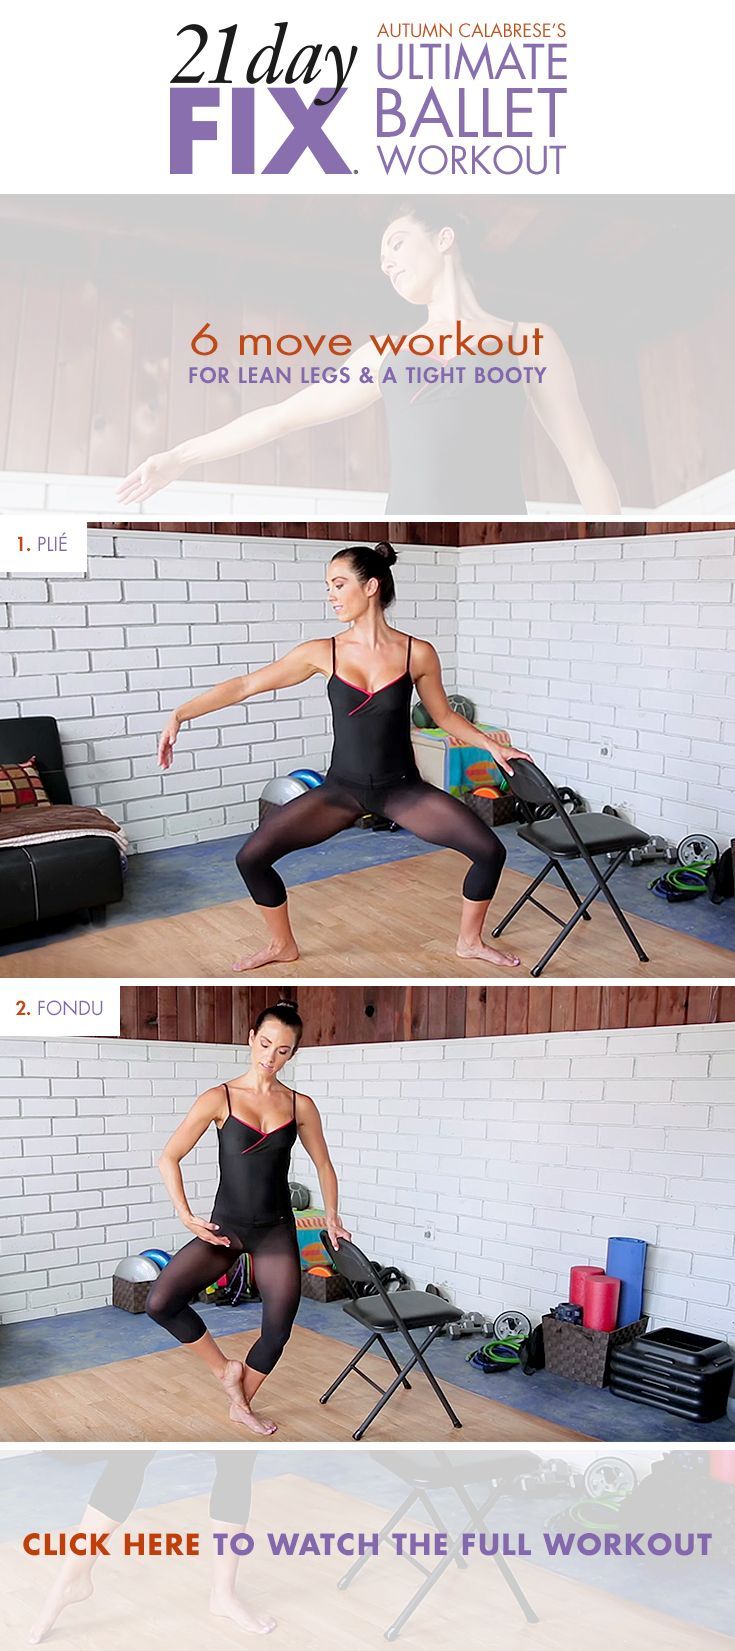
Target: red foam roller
[(722, 1466), (601, 1300), (578, 1282)]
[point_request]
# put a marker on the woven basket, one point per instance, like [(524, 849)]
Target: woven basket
[(130, 1297), (493, 810), (584, 1355), (323, 1289)]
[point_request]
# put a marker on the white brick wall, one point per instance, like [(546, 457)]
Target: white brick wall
[(523, 1154), (159, 617), (628, 644), (575, 645)]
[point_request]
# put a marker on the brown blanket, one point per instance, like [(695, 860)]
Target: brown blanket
[(20, 827)]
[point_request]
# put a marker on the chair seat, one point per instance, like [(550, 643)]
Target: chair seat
[(435, 1471), (600, 833), (417, 1308)]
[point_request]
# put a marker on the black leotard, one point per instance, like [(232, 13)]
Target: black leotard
[(455, 448), (253, 1187), (372, 731), (253, 1210), (373, 771)]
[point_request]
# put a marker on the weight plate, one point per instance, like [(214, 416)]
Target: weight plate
[(696, 848), (609, 1476), (511, 1324)]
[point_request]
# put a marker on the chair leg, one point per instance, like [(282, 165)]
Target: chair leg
[(612, 902), (362, 1559), (601, 880), (503, 924), (569, 886), (477, 1520), (417, 1358), (390, 1355), (429, 1374), (448, 1559), (348, 1367), (515, 1588)]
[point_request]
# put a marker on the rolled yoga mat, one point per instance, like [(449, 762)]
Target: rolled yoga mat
[(578, 1283), (626, 1260), (601, 1298)]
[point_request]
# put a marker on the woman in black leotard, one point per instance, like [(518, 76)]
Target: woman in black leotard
[(258, 1120), (371, 674), (455, 447)]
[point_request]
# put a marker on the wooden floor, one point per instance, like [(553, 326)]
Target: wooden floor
[(156, 1602), (171, 1396), (391, 921)]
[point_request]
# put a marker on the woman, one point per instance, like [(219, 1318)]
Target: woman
[(112, 1500), (258, 1120), (371, 673), (455, 447)]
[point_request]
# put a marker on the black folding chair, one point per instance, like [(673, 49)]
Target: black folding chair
[(570, 837), (388, 1315), (426, 1474)]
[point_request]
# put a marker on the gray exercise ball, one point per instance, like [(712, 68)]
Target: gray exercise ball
[(283, 789), (137, 1269)]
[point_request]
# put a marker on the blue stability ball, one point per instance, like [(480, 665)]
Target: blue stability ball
[(308, 775), (161, 1257)]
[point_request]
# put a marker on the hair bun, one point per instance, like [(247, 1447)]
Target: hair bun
[(386, 552), (287, 1003)]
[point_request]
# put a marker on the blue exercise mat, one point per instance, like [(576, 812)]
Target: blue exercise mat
[(626, 1260)]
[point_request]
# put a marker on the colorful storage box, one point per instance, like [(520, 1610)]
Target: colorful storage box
[(309, 1224)]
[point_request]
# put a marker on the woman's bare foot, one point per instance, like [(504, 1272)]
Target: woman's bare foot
[(71, 1591), (269, 954), (232, 1379), (232, 1382), (228, 1605), (486, 954), (241, 1412)]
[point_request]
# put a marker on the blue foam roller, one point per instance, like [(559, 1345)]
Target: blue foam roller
[(626, 1260)]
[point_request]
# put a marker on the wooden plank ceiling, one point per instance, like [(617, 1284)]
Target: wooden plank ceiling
[(452, 535), (390, 1014)]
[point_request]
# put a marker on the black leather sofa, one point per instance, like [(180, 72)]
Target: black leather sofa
[(52, 880)]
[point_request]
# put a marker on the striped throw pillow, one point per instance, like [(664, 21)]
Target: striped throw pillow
[(21, 785)]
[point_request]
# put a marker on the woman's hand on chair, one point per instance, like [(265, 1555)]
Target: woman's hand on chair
[(208, 1231), (336, 1230), (506, 755)]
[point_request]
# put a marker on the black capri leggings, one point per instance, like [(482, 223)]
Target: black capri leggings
[(319, 814), (277, 1264), (119, 1484)]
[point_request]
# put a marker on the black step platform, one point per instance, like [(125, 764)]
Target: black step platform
[(674, 1370)]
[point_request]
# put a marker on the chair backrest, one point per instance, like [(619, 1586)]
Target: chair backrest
[(24, 737), (534, 789), (350, 1262), (355, 1268), (531, 785)]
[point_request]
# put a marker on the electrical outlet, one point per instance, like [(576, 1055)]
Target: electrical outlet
[(605, 748), (429, 1231)]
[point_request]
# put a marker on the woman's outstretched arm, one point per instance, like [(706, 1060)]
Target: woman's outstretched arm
[(428, 680), (318, 404), (296, 666), (557, 404)]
